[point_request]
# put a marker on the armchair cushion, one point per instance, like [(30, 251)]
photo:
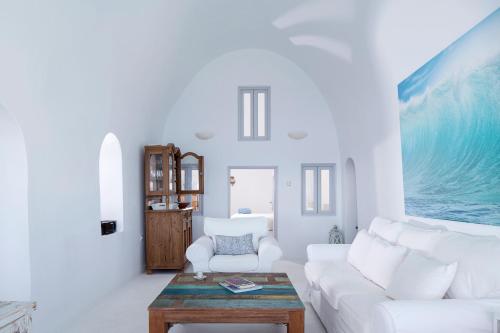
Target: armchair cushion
[(237, 227), (239, 263)]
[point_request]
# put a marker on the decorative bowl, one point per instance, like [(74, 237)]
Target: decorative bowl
[(183, 205)]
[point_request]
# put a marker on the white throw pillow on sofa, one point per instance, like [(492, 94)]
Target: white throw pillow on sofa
[(360, 247), (478, 274), (419, 239), (421, 278), (383, 260), (375, 258), (385, 229), (427, 226)]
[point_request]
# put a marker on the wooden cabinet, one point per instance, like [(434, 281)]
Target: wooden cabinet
[(168, 231), (168, 235)]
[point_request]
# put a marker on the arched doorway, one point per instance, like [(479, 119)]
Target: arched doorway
[(15, 271), (350, 201)]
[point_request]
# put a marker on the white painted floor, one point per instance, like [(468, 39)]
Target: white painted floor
[(124, 311)]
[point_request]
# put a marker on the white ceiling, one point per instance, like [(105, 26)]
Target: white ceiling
[(153, 48)]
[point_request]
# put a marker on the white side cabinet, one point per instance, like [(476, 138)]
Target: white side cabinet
[(16, 317)]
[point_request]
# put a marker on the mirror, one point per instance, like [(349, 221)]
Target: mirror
[(191, 173)]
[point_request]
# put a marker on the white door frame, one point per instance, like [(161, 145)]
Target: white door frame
[(275, 194)]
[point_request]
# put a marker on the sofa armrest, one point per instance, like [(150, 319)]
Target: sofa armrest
[(445, 315), (200, 252), (327, 252), (269, 251)]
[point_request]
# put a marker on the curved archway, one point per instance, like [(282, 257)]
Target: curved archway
[(14, 227), (350, 201), (111, 180)]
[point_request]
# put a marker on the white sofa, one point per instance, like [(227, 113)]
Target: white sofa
[(348, 302), (202, 252)]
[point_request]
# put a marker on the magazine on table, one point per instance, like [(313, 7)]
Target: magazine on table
[(240, 283), (237, 290)]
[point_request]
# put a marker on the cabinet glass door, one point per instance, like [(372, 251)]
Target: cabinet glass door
[(191, 173), (155, 185), (171, 173)]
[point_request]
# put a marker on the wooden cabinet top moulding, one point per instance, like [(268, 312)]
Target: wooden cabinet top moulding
[(168, 173)]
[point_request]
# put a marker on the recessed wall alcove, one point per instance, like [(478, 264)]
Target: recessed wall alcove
[(350, 201), (15, 273), (111, 180)]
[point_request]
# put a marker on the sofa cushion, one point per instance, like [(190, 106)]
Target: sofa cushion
[(237, 227), (343, 279), (356, 310), (385, 229), (239, 263), (357, 255), (420, 239), (478, 275), (383, 259), (314, 270), (421, 278)]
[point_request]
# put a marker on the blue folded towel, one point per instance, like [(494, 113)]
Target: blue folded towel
[(244, 211)]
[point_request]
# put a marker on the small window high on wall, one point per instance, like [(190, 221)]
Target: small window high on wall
[(254, 116), (111, 181), (318, 189)]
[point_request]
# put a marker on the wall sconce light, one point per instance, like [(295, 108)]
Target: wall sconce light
[(204, 135), (232, 180), (297, 135)]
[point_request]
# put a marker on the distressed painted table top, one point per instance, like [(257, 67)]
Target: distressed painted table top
[(185, 292)]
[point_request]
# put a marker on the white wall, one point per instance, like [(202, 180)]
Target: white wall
[(69, 77), (210, 103), (402, 37), (254, 189), (15, 277)]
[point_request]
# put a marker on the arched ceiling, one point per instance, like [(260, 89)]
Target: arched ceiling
[(324, 38), (151, 49)]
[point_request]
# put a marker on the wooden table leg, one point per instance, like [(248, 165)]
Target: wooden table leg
[(157, 323), (296, 322)]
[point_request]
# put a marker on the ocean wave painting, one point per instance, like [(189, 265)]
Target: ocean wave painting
[(450, 130)]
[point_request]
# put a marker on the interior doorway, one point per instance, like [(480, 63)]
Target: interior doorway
[(351, 201), (252, 193)]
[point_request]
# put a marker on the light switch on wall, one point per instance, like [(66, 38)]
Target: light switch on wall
[(288, 183)]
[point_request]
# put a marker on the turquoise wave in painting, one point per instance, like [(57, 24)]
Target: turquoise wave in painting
[(450, 130)]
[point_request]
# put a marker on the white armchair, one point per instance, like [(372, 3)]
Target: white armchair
[(202, 252)]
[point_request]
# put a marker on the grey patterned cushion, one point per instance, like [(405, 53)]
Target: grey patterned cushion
[(233, 245)]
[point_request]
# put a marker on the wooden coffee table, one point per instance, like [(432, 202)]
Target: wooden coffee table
[(186, 300)]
